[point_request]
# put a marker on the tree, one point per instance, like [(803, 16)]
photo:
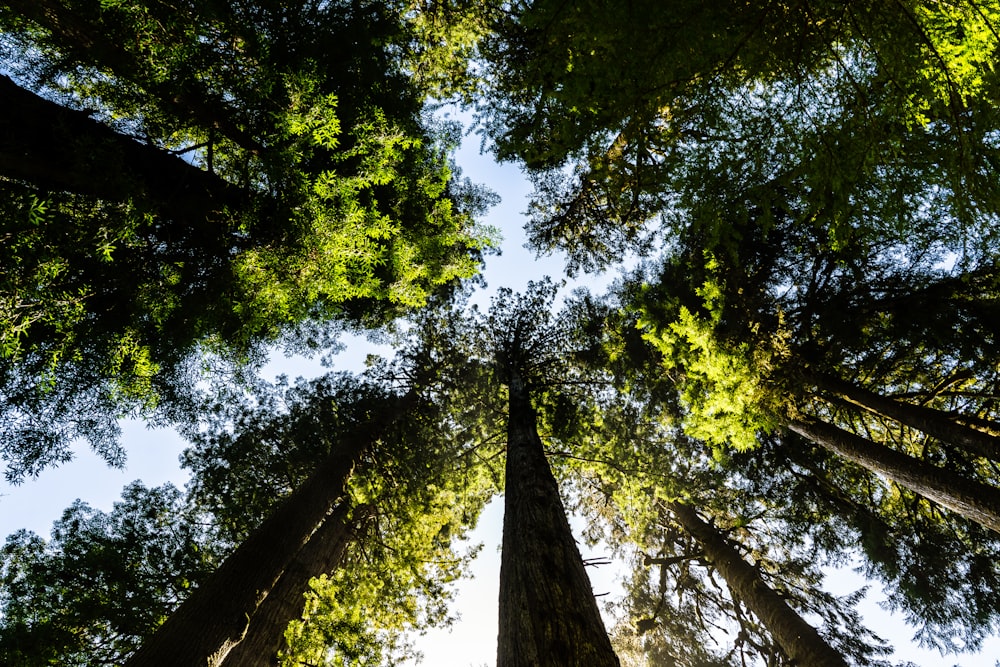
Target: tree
[(974, 500), (382, 448), (737, 377), (723, 392), (936, 568), (411, 495), (548, 614), (103, 581), (207, 626), (731, 585), (979, 436), (692, 115), (264, 639), (380, 555), (250, 177), (798, 639)]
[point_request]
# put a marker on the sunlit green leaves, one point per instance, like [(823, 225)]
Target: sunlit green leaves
[(398, 578), (328, 195), (314, 120), (723, 386), (960, 42)]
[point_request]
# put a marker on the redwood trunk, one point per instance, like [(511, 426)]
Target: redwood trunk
[(321, 555), (187, 98), (55, 147), (982, 441), (548, 614), (972, 499), (206, 627), (799, 640)]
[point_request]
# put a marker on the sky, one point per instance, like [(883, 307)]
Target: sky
[(153, 458)]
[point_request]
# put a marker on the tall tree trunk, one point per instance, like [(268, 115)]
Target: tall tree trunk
[(206, 627), (322, 554), (548, 614), (91, 43), (972, 499), (799, 640), (978, 436), (55, 147)]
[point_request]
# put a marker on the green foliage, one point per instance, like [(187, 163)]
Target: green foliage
[(419, 484), (959, 44), (312, 189), (677, 607), (252, 454), (938, 569), (723, 387), (521, 337), (352, 244), (868, 125), (395, 581), (446, 36), (819, 178), (102, 582)]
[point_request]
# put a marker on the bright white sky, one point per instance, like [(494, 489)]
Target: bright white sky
[(153, 458)]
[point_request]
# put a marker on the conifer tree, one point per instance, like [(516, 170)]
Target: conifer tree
[(215, 177)]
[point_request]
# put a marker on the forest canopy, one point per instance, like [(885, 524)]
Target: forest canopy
[(208, 179), (796, 367)]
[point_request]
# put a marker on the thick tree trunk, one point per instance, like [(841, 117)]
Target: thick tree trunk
[(322, 554), (187, 98), (980, 437), (58, 148), (548, 614), (206, 627), (799, 640), (972, 499)]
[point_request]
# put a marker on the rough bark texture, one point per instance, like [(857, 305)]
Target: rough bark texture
[(215, 618), (59, 148), (799, 640), (981, 441), (548, 614), (321, 555), (972, 499)]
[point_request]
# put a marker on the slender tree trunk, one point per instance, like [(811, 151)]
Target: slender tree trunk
[(972, 499), (322, 554), (55, 147), (548, 614), (206, 627), (980, 437), (799, 640)]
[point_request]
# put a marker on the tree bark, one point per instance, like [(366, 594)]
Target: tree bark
[(979, 438), (548, 614), (210, 623), (206, 627), (322, 554), (54, 147), (90, 42), (972, 499), (799, 640)]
